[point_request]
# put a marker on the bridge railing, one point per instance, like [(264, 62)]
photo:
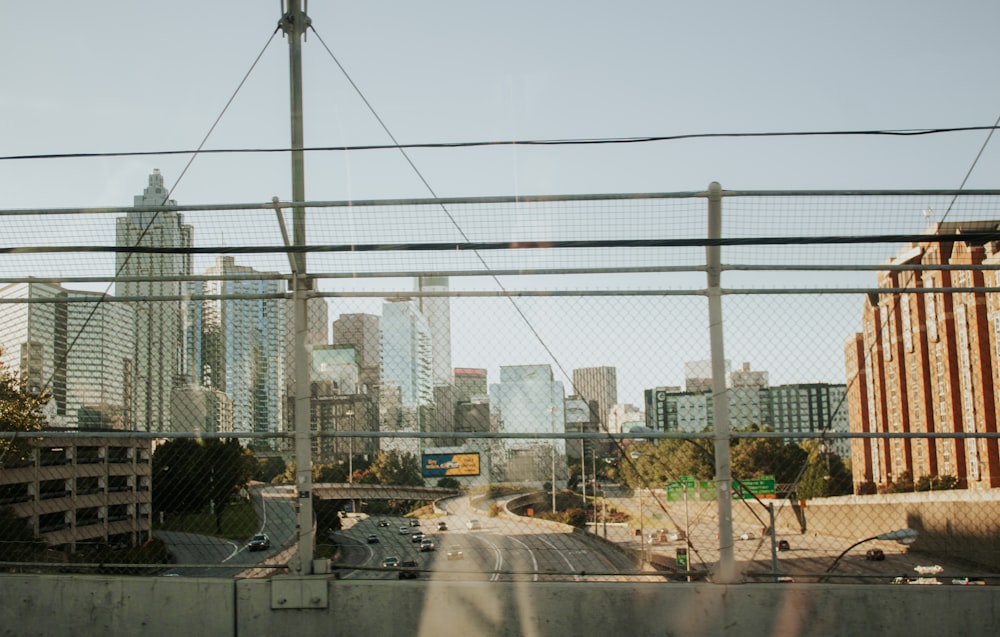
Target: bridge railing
[(723, 385)]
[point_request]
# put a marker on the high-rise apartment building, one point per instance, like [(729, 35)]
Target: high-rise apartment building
[(158, 348), (927, 362), (80, 352)]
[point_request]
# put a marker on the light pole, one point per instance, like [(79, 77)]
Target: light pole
[(903, 536), (552, 410)]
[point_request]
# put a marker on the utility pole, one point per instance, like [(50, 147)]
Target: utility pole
[(294, 22)]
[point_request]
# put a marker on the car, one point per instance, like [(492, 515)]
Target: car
[(383, 523), (414, 522), (408, 570), (473, 525), (455, 553), (747, 536), (427, 544), (783, 545), (969, 581), (259, 542), (373, 539), (442, 526), (390, 562), (417, 537), (874, 555), (404, 530)]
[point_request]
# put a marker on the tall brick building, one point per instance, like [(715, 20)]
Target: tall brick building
[(927, 361)]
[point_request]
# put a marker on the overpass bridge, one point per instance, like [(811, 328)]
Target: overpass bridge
[(349, 491)]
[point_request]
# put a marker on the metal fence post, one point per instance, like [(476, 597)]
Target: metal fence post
[(726, 569)]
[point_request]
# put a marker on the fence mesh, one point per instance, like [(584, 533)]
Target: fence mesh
[(506, 388)]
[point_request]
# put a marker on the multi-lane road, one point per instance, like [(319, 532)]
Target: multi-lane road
[(493, 549)]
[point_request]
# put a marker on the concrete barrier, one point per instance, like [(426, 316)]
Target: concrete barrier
[(70, 605)]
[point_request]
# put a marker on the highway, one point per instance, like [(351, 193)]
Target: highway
[(499, 549)]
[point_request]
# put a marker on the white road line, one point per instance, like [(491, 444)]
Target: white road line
[(534, 561)]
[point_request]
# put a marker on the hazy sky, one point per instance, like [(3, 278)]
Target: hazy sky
[(139, 76)]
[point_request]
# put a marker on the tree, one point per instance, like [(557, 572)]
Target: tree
[(20, 411), (229, 467), (189, 475), (448, 482), (826, 475), (755, 457), (393, 467), (268, 468)]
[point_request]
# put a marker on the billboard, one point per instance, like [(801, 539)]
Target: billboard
[(438, 465)]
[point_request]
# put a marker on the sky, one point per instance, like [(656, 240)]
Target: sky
[(120, 76)]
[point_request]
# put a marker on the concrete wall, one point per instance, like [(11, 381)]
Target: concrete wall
[(959, 525), (54, 605)]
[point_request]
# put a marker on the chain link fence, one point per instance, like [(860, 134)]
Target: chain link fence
[(530, 388)]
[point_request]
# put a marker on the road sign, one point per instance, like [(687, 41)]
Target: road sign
[(762, 487), (682, 558)]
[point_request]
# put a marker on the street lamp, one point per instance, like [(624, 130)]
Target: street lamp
[(552, 410), (903, 536)]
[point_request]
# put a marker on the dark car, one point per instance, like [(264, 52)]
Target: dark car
[(383, 523), (442, 526), (783, 545), (373, 539), (875, 555), (408, 570), (417, 537), (390, 562), (414, 522), (259, 542)]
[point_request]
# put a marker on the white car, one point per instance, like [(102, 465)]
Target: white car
[(473, 525)]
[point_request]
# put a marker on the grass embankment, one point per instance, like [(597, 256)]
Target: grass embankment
[(239, 521)]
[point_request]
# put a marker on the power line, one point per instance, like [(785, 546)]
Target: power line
[(913, 132)]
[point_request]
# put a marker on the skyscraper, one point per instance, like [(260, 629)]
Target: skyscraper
[(437, 311), (242, 349), (407, 393), (598, 384), (363, 331), (79, 352), (158, 352)]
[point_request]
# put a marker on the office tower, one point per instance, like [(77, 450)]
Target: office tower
[(158, 352), (598, 384), (317, 333), (528, 400), (79, 352), (472, 384), (437, 311), (407, 374), (242, 350), (363, 331)]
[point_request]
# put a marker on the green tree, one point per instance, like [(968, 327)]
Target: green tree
[(393, 467), (448, 482), (228, 467), (20, 411), (189, 475), (268, 468), (755, 457), (826, 475)]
